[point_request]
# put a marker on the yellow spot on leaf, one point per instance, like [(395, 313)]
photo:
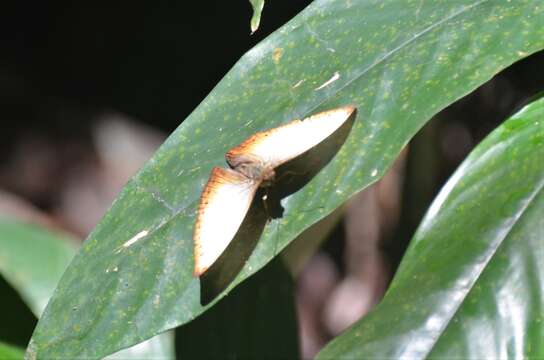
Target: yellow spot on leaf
[(276, 56)]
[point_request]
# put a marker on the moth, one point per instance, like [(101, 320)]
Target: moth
[(228, 194)]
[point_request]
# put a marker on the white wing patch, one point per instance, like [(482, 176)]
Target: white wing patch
[(281, 144), (223, 206)]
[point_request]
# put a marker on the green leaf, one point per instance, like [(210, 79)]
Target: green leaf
[(32, 260), (257, 320), (470, 285), (257, 6), (10, 352), (400, 62)]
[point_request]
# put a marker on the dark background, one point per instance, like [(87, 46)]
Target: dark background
[(153, 61)]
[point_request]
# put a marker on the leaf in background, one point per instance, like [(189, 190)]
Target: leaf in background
[(257, 320), (9, 352), (32, 260), (257, 6), (399, 62), (471, 282)]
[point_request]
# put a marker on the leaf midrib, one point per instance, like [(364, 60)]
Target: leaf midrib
[(393, 51)]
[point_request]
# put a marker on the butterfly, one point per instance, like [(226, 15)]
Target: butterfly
[(228, 194)]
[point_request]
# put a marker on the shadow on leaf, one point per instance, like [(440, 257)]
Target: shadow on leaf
[(290, 178)]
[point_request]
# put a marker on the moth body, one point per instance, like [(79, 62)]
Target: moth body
[(227, 196)]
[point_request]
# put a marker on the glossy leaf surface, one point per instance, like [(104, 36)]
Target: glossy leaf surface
[(470, 285), (399, 62)]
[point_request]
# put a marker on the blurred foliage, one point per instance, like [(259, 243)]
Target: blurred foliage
[(32, 261), (470, 283), (9, 352), (16, 315)]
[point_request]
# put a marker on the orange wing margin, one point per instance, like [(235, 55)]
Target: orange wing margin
[(223, 205), (281, 144)]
